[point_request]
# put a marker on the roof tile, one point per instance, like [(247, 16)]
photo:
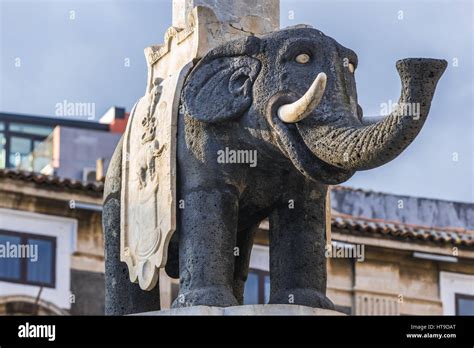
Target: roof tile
[(455, 236), (95, 186)]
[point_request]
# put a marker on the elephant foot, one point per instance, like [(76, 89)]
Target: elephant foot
[(209, 296), (303, 297)]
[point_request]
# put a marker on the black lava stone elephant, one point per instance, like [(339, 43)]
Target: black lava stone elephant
[(290, 98)]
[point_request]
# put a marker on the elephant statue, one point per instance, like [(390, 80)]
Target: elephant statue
[(289, 98)]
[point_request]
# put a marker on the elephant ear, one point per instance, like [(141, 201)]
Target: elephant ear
[(220, 87)]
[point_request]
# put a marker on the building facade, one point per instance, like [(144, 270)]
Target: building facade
[(62, 217), (51, 248), (376, 266), (60, 146)]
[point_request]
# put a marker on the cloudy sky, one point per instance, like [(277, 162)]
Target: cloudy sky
[(92, 51)]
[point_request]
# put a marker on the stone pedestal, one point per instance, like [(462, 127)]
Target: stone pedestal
[(270, 309)]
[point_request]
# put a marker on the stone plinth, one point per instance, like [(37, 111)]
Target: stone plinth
[(270, 309)]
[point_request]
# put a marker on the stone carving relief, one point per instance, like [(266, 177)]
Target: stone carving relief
[(148, 186)]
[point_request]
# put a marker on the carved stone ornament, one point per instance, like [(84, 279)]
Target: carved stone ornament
[(148, 216), (148, 206)]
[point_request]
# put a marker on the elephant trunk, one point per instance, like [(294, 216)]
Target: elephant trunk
[(371, 145)]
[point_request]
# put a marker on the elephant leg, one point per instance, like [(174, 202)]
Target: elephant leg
[(297, 247), (121, 296), (242, 260), (207, 238)]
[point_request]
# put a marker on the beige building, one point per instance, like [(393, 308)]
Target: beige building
[(406, 269), (390, 254), (63, 217)]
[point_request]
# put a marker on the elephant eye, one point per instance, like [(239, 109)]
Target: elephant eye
[(302, 58)]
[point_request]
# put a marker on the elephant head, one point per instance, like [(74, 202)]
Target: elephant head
[(296, 90)]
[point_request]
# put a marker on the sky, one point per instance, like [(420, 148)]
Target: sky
[(92, 51)]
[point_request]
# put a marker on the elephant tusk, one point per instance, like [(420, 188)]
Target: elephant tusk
[(300, 109)]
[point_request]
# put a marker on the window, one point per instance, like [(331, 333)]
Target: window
[(17, 143), (257, 287), (42, 156), (9, 266), (464, 304), (20, 149), (43, 131), (27, 258)]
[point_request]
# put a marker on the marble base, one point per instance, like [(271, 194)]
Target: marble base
[(269, 309)]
